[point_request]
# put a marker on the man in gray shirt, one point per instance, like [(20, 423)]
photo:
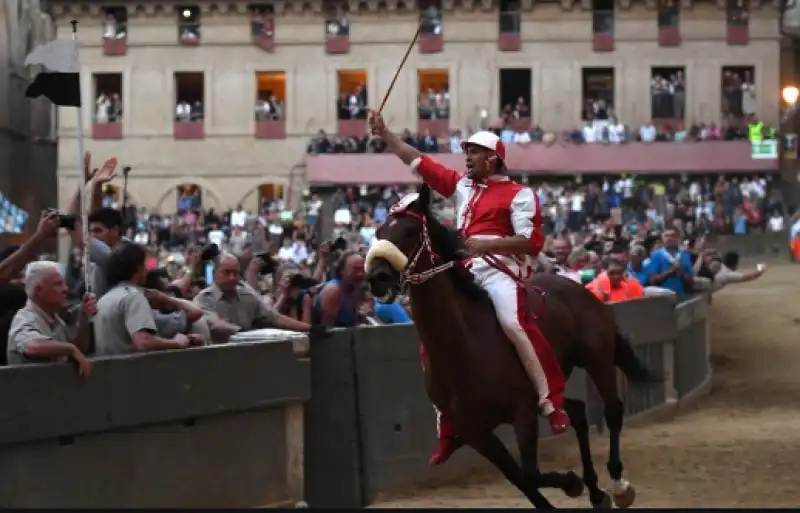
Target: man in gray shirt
[(37, 333), (124, 323), (232, 306)]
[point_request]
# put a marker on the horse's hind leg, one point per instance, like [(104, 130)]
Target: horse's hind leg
[(605, 379), (491, 448), (577, 414), (526, 427)]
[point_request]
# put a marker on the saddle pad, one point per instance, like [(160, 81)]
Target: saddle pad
[(268, 335)]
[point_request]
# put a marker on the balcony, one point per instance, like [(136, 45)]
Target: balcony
[(352, 127), (114, 47), (189, 129), (431, 43), (669, 36), (271, 129), (102, 131), (335, 45)]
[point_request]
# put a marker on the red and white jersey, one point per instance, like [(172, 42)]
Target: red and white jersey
[(499, 207)]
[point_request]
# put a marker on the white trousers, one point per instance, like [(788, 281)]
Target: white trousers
[(503, 291)]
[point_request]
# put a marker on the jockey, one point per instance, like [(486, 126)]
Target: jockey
[(501, 218)]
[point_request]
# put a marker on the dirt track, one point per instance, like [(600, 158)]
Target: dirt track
[(739, 448)]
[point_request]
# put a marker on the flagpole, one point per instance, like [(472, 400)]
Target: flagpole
[(86, 191)]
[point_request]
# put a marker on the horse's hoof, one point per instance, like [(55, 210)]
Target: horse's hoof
[(605, 502), (575, 486), (301, 505), (625, 496)]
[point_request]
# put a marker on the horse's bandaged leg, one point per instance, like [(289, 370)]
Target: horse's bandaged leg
[(538, 358), (444, 425)]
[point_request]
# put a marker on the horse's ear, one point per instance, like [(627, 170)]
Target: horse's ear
[(424, 199)]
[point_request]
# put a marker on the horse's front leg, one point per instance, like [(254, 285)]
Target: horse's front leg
[(526, 427), (577, 414)]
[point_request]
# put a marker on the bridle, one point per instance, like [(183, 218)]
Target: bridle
[(408, 276)]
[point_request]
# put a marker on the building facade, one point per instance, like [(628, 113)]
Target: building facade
[(27, 129), (562, 56)]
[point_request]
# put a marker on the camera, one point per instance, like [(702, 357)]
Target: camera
[(338, 244), (302, 282), (65, 220), (210, 252), (268, 265), (126, 169)]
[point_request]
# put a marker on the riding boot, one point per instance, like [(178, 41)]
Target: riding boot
[(447, 442)]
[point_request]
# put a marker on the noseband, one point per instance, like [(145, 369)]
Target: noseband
[(408, 276)]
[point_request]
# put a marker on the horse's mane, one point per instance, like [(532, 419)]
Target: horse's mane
[(449, 245)]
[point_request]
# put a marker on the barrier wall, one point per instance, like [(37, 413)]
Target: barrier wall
[(370, 427), (767, 245), (215, 426), (273, 422)]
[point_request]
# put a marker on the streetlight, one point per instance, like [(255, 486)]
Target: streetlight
[(790, 95)]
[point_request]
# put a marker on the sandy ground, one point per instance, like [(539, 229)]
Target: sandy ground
[(739, 448)]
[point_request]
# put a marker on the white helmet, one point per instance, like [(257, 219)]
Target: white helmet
[(487, 140)]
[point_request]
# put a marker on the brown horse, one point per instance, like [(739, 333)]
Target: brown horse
[(473, 371)]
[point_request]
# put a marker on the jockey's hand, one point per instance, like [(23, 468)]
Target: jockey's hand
[(477, 247), (376, 124)]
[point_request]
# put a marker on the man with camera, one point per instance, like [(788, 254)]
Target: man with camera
[(37, 333), (233, 306)]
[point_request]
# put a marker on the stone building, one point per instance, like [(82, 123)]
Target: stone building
[(556, 56), (27, 128)]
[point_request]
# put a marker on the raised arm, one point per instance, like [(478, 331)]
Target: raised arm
[(437, 176)]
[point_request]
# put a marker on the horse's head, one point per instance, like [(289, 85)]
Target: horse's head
[(410, 247)]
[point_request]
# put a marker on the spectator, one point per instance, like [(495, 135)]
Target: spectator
[(294, 298), (613, 285), (639, 268), (233, 306), (340, 298), (37, 332), (124, 323), (670, 267), (171, 313), (647, 133)]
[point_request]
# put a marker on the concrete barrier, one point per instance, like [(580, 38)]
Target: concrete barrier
[(377, 440), (215, 426), (766, 245), (273, 421)]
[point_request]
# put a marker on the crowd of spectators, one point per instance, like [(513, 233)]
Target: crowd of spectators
[(197, 276)]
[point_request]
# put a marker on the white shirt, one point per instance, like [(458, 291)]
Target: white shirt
[(314, 207), (577, 202), (647, 133), (776, 223), (238, 218), (615, 133), (522, 138), (589, 134), (342, 216), (216, 237)]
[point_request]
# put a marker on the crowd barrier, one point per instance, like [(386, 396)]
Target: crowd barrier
[(337, 422), (766, 245)]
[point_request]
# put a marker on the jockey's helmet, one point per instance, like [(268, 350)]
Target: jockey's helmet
[(487, 140)]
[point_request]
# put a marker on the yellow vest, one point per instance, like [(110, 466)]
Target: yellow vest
[(756, 131)]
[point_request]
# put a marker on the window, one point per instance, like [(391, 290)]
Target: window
[(738, 91), (431, 17), (262, 22), (598, 94), (337, 20), (116, 23), (352, 101), (189, 25), (738, 12), (271, 96), (603, 16), (515, 94), (668, 13), (189, 91), (108, 98), (668, 93), (434, 94), (509, 17)]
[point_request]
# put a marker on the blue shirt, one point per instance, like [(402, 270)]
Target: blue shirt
[(346, 318), (661, 262), (392, 313), (379, 216), (740, 225), (643, 274)]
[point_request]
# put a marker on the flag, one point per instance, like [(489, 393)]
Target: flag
[(60, 81)]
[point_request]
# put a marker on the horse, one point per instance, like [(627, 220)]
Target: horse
[(472, 369)]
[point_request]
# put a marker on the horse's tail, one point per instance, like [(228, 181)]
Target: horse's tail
[(629, 363)]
